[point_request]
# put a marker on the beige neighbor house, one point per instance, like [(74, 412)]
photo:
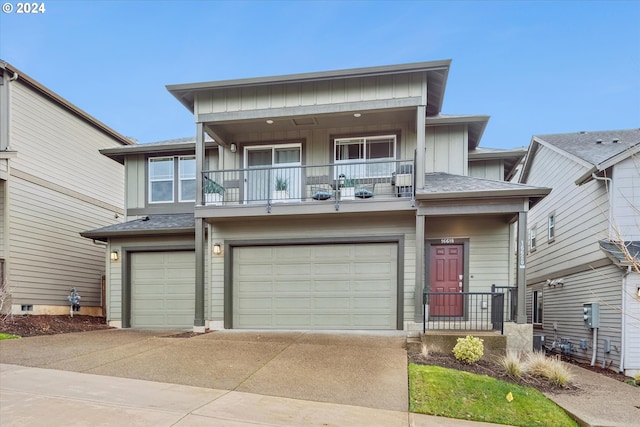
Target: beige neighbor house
[(576, 240), (328, 200), (53, 184)]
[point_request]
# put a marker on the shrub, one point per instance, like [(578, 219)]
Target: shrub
[(469, 349), (512, 364), (551, 368), (636, 378)]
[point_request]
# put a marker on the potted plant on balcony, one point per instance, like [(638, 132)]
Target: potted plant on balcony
[(213, 192), (280, 193), (347, 188)]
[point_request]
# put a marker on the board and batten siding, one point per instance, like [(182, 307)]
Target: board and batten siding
[(318, 228), (581, 217), (487, 169), (447, 149), (326, 92), (3, 218), (115, 275), (563, 305), (488, 247), (625, 199)]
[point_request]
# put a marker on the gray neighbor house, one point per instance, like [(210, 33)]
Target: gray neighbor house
[(582, 240), (325, 200)]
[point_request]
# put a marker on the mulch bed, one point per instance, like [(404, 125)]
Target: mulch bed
[(31, 326)]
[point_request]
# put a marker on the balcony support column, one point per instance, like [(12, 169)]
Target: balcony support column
[(421, 123), (198, 323), (521, 277), (419, 279)]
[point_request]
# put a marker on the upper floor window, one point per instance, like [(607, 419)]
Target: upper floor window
[(532, 239), (551, 227), (359, 150), (162, 182)]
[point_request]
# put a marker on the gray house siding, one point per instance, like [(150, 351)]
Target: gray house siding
[(625, 200), (579, 224)]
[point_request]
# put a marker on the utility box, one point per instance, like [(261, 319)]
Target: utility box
[(538, 343), (591, 315)]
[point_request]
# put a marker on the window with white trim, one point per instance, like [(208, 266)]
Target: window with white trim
[(187, 179), (365, 155), (551, 227), (536, 307), (161, 172), (532, 239)]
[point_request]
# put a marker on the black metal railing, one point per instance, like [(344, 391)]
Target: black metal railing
[(464, 311), (330, 183), (510, 300)]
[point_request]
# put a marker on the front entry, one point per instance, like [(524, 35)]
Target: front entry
[(446, 275)]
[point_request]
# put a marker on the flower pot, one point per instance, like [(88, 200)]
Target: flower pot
[(213, 198), (280, 196), (348, 193)]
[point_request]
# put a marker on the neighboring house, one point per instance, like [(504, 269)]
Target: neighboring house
[(575, 239), (322, 200), (53, 184)]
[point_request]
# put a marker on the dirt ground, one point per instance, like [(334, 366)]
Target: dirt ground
[(30, 326)]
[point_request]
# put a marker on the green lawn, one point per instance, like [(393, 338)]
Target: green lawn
[(456, 394), (4, 336)]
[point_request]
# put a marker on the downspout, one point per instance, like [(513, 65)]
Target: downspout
[(608, 183), (624, 324)]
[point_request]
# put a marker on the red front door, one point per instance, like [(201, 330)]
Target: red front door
[(446, 274)]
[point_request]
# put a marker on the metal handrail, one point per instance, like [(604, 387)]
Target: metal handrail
[(468, 311)]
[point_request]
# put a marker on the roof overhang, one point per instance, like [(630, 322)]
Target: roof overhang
[(119, 153), (437, 74), (601, 167)]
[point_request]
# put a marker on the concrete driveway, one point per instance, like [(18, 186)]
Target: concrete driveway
[(367, 370)]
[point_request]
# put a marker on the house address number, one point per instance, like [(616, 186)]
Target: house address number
[(447, 240)]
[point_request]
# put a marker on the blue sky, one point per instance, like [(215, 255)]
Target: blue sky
[(535, 67)]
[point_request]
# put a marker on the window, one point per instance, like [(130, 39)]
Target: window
[(360, 150), (161, 180), (162, 183), (536, 307), (187, 174), (532, 239), (551, 227)]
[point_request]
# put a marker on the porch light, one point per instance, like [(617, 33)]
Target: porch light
[(217, 249), (114, 255), (233, 148), (269, 122), (357, 115), (638, 291)]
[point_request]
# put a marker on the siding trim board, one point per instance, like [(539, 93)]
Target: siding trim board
[(569, 271), (230, 245), (125, 253)]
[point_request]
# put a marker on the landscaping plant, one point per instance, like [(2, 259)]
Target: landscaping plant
[(469, 349)]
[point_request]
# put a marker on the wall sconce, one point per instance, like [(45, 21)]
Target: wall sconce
[(217, 249), (638, 291), (114, 255), (233, 148)]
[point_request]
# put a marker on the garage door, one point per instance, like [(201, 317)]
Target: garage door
[(342, 286), (162, 289)]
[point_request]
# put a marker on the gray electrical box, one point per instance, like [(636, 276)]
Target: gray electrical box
[(591, 315)]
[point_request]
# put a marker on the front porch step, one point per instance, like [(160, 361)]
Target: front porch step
[(495, 345)]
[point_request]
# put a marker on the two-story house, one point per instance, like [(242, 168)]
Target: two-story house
[(578, 237), (324, 200), (53, 184)]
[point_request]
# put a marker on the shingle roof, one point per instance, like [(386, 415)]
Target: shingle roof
[(614, 251), (151, 224), (440, 182), (585, 145)]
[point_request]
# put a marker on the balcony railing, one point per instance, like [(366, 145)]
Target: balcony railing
[(464, 311), (330, 183)]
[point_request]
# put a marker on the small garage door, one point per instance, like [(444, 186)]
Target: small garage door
[(162, 289), (340, 286)]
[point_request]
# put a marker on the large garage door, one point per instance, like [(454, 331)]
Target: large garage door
[(162, 289), (341, 286)]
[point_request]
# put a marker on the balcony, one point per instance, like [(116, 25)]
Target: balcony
[(329, 186)]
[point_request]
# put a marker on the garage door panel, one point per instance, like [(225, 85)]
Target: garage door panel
[(162, 289), (316, 287)]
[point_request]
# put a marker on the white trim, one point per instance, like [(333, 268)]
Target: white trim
[(150, 181)]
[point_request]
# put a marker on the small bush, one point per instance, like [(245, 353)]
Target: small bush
[(512, 364), (536, 364), (469, 349), (636, 378)]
